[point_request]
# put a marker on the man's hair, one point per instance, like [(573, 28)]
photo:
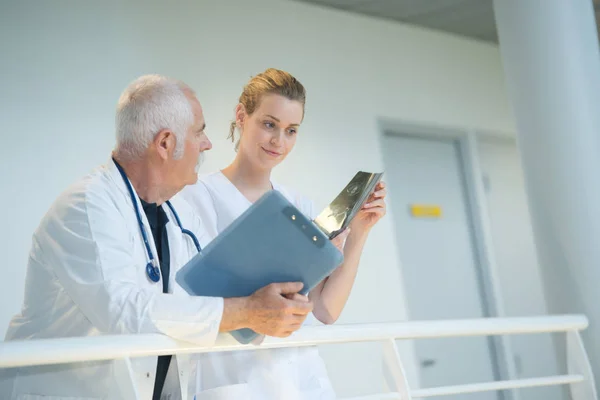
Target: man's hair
[(148, 105)]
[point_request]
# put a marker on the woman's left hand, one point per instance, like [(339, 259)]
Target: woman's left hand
[(371, 212)]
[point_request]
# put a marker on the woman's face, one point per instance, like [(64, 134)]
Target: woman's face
[(269, 134)]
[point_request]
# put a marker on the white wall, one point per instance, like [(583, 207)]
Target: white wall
[(518, 269), (64, 64)]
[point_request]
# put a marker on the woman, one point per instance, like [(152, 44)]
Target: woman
[(268, 117)]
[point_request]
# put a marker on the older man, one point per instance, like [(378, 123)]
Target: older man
[(104, 257)]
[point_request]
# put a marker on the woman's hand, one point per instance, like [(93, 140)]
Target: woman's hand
[(330, 296), (371, 212)]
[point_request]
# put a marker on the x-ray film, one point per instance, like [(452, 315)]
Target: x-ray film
[(337, 216)]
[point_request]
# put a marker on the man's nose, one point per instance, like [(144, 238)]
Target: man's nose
[(205, 145)]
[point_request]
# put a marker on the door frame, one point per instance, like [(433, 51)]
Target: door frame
[(467, 141)]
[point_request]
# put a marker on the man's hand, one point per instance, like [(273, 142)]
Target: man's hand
[(275, 310)]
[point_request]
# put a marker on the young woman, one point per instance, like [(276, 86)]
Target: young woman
[(268, 118)]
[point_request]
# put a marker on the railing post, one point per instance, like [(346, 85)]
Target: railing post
[(391, 361), (578, 363)]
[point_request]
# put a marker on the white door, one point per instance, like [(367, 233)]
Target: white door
[(437, 257), (518, 268)]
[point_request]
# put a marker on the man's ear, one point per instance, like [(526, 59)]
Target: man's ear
[(165, 143)]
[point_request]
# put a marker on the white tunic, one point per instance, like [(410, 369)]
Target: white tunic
[(274, 374)]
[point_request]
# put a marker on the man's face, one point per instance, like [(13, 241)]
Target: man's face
[(185, 171)]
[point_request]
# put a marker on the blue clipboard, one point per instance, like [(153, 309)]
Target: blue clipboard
[(272, 241)]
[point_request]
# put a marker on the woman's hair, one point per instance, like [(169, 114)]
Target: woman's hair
[(271, 81)]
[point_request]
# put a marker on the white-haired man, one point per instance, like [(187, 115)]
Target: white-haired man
[(104, 257)]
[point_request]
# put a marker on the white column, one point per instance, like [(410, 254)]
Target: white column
[(551, 62)]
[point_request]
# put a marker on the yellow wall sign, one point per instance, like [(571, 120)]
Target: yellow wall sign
[(425, 211)]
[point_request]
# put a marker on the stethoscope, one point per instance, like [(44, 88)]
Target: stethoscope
[(152, 269)]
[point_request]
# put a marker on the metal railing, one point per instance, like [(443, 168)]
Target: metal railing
[(579, 374)]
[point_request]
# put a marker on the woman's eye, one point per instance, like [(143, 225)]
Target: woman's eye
[(292, 131), (269, 124)]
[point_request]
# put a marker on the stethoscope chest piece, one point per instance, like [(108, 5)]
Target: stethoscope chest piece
[(152, 269), (153, 272)]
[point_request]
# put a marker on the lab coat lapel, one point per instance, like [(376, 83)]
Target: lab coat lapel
[(118, 181)]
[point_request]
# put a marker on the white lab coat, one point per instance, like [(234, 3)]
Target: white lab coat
[(274, 374), (86, 277)]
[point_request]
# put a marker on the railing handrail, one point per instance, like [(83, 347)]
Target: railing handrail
[(108, 347)]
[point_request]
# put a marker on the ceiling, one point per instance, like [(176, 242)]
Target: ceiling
[(471, 18)]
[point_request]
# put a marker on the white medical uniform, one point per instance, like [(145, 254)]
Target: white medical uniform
[(274, 374), (86, 276)]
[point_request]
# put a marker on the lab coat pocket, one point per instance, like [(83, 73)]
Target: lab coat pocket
[(229, 392)]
